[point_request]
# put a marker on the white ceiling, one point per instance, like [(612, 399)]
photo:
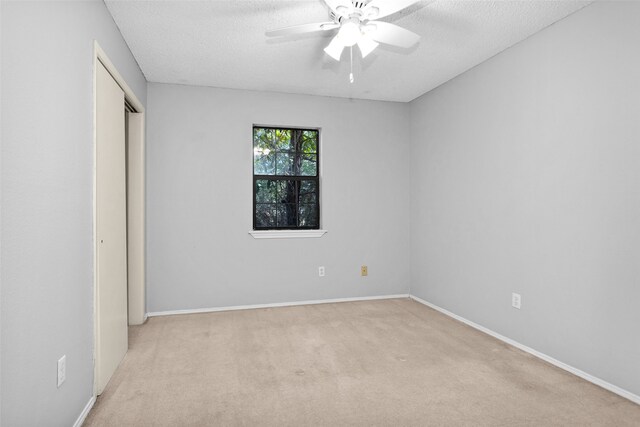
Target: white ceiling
[(223, 44)]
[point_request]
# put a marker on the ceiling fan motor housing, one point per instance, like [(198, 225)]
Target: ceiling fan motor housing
[(355, 11), (351, 20)]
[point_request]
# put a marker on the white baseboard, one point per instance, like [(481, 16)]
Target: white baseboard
[(597, 381), (278, 304), (85, 412)]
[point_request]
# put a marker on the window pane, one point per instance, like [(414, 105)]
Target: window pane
[(286, 191), (265, 215), (296, 164), (310, 141), (308, 192), (258, 134), (264, 164), (284, 164), (287, 214), (263, 138), (265, 191), (282, 139), (309, 166), (308, 215), (296, 139)]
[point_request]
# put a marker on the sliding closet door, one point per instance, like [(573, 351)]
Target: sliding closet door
[(111, 226), (135, 217)]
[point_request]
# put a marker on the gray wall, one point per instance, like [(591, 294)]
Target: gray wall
[(525, 175), (199, 200), (47, 203)]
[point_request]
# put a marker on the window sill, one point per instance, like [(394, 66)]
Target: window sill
[(287, 234)]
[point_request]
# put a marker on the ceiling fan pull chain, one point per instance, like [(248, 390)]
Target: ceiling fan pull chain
[(351, 69)]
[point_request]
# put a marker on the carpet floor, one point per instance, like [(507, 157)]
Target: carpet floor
[(371, 363)]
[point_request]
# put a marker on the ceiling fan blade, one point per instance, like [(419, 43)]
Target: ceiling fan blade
[(381, 8), (386, 33), (335, 48), (304, 28)]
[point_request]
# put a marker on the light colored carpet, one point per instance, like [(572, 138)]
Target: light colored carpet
[(384, 363)]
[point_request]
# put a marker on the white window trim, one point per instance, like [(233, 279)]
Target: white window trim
[(287, 234)]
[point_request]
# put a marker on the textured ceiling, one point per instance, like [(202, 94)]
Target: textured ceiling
[(223, 44)]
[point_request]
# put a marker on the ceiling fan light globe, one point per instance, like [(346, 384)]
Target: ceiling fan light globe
[(349, 33), (334, 49), (366, 45)]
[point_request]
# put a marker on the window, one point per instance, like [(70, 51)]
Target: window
[(286, 181)]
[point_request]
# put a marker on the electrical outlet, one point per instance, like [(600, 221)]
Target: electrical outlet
[(62, 370), (321, 271), (516, 300), (364, 271)]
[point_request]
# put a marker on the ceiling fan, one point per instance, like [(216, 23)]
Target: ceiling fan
[(357, 24)]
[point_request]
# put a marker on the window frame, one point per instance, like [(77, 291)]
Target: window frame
[(288, 231)]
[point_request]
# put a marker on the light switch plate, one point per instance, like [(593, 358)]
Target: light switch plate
[(516, 300), (62, 370)]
